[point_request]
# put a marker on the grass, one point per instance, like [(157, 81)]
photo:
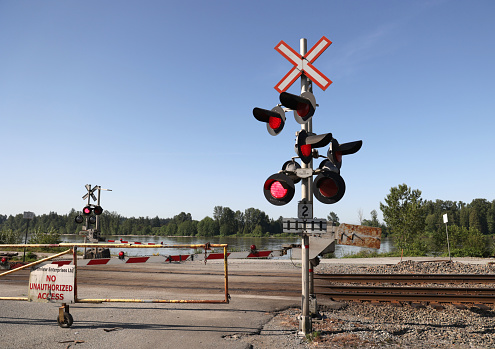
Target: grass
[(371, 254)]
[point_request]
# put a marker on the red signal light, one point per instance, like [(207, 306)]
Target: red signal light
[(274, 122), (306, 150), (328, 187), (87, 210), (98, 210), (279, 189), (302, 109)]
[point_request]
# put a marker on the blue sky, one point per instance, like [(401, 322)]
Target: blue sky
[(154, 99)]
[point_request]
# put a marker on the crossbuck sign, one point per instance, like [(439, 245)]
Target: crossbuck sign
[(303, 64)]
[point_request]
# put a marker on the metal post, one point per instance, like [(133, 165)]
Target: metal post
[(448, 243), (306, 193), (98, 216), (25, 241)]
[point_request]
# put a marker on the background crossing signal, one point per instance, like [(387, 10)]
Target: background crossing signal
[(98, 210), (275, 119), (279, 189)]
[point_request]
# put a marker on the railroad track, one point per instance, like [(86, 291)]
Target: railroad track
[(409, 278), (329, 285)]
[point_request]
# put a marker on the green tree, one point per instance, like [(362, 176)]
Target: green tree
[(332, 217), (208, 227), (254, 217), (182, 217), (480, 218), (45, 237), (171, 229), (373, 222), (228, 223), (464, 242), (9, 236), (405, 217)]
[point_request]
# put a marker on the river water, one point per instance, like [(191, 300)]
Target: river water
[(235, 244)]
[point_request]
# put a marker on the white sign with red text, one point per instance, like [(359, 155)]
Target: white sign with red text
[(52, 284)]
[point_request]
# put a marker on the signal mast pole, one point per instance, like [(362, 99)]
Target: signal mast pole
[(306, 194)]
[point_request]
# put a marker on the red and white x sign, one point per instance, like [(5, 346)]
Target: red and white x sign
[(303, 64)]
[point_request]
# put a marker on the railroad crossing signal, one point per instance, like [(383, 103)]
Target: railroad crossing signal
[(275, 119), (303, 64), (91, 212), (329, 186), (306, 142), (304, 106)]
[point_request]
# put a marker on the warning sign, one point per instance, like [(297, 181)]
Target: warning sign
[(51, 283)]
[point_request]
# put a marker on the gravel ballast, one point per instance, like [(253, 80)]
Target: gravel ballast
[(385, 325)]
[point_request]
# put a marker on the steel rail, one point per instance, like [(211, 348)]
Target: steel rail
[(407, 289), (410, 297), (408, 278)]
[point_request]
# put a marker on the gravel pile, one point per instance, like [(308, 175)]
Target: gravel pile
[(366, 325)]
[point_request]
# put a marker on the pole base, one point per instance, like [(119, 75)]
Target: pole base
[(305, 325)]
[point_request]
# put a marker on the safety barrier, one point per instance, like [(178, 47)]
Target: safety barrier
[(64, 318)]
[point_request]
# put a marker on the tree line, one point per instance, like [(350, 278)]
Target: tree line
[(416, 225), (224, 222)]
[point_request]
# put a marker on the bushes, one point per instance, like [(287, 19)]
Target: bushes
[(41, 237), (8, 236)]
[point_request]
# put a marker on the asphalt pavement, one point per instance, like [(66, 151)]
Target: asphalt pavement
[(141, 325)]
